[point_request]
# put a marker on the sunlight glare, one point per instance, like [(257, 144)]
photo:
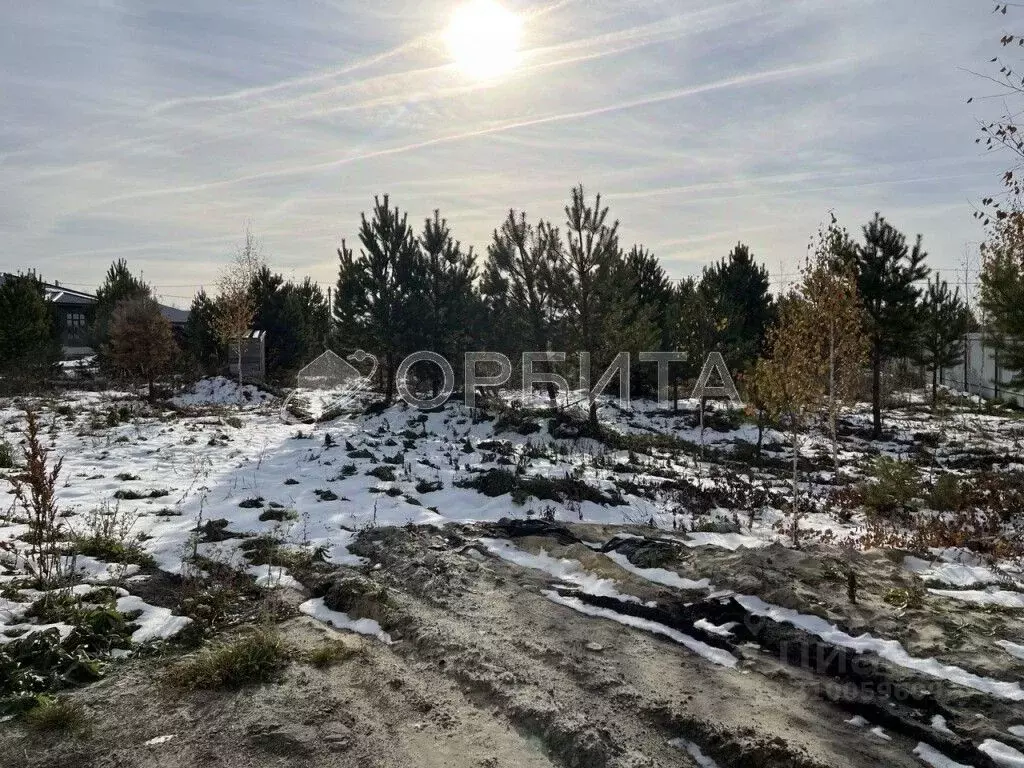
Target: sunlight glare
[(483, 39)]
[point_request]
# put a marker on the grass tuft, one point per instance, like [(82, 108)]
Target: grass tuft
[(254, 658)]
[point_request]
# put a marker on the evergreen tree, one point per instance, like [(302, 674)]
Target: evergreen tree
[(29, 344), (594, 289), (887, 270), (651, 295), (735, 294), (310, 305), (449, 296), (141, 341), (944, 322), (1002, 291), (118, 285), (377, 304), (516, 285), (201, 338)]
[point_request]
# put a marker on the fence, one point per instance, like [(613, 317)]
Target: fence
[(981, 373)]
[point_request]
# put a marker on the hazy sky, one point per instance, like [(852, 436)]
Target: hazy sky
[(154, 131)]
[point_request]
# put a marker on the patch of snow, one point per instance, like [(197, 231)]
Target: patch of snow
[(1016, 730), (858, 722), (939, 725), (695, 752), (953, 574), (935, 759), (273, 577), (990, 596), (569, 571), (725, 630), (890, 650), (879, 732), (1002, 755), (730, 541), (158, 740), (155, 623), (710, 653), (1017, 651), (337, 619), (222, 391), (658, 575)]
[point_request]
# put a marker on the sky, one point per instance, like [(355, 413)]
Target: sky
[(156, 132)]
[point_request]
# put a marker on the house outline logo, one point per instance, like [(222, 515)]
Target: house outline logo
[(330, 372)]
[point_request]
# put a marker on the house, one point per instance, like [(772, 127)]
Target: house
[(73, 310)]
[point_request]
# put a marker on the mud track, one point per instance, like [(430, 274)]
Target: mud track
[(487, 671)]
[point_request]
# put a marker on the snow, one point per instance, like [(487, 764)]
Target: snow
[(155, 623), (1016, 730), (991, 596), (158, 740), (935, 759), (705, 651), (890, 650), (567, 571), (880, 733), (1002, 755), (222, 391), (1017, 651), (730, 541), (658, 575), (320, 612), (952, 573), (939, 725), (695, 752), (858, 722)]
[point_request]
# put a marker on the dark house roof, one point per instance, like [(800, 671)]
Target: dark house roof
[(69, 297)]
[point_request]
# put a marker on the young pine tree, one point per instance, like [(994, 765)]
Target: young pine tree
[(735, 295), (201, 338), (1002, 290), (28, 336), (449, 296), (944, 322), (118, 285), (517, 286), (377, 305), (887, 271)]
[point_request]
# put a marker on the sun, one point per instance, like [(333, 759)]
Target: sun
[(483, 39)]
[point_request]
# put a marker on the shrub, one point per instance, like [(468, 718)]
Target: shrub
[(329, 654), (326, 494), (6, 455), (127, 494), (384, 472), (427, 486), (57, 715), (947, 494), (895, 486), (257, 657), (253, 503), (41, 662), (108, 537), (278, 515)]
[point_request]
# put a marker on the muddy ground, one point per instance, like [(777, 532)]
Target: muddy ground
[(487, 672)]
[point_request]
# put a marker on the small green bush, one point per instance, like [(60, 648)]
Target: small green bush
[(6, 455), (254, 658), (57, 715), (330, 654), (895, 486), (384, 472), (278, 515)]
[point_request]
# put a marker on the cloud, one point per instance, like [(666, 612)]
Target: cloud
[(154, 134)]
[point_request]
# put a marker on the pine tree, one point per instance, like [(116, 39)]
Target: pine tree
[(118, 285), (1002, 291), (944, 322), (887, 270), (141, 341), (377, 304), (735, 294), (29, 344), (201, 338), (449, 295), (650, 295), (516, 286)]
